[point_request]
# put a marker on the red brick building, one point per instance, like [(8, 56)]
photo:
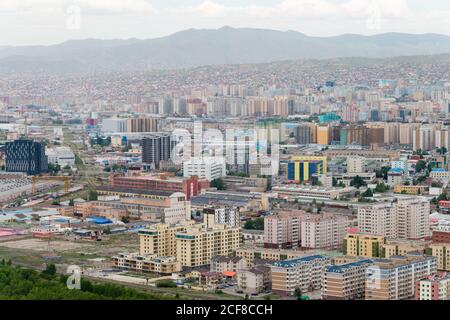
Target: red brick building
[(158, 182)]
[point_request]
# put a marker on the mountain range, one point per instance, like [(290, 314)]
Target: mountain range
[(199, 47)]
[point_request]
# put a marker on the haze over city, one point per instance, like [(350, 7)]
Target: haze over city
[(43, 22), (225, 157)]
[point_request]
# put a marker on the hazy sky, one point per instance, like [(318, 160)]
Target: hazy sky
[(25, 22)]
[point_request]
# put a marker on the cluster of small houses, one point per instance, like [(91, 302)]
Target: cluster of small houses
[(49, 222)]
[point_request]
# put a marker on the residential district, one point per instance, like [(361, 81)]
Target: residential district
[(312, 188)]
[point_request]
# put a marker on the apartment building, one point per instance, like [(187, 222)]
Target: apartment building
[(363, 245), (252, 254), (440, 175), (356, 164), (395, 278), (378, 219), (323, 231), (146, 263), (159, 239), (434, 287), (413, 218), (223, 264), (305, 273), (255, 280), (403, 247), (346, 281), (404, 219), (374, 246), (224, 215), (282, 231), (192, 244), (198, 244), (442, 253)]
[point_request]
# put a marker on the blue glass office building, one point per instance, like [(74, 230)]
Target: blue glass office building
[(26, 156)]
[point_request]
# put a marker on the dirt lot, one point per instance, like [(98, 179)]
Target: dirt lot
[(30, 251), (43, 245)]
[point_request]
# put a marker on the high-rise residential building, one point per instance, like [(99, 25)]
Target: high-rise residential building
[(407, 133), (413, 218), (282, 231), (114, 125), (356, 164), (433, 287), (442, 253), (345, 281), (424, 138), (304, 134), (305, 273), (165, 105), (300, 229), (25, 156), (375, 136), (395, 278), (180, 106), (136, 125), (159, 239), (350, 113), (378, 219), (323, 135), (363, 245), (224, 215), (193, 244), (156, 148), (205, 168), (404, 219), (198, 244), (323, 231), (354, 134)]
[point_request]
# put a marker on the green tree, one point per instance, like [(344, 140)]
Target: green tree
[(218, 183), (92, 195), (50, 270), (357, 182), (420, 166), (165, 284), (298, 293), (368, 193)]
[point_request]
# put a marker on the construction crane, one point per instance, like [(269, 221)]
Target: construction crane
[(35, 179)]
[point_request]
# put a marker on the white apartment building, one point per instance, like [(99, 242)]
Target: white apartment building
[(378, 219), (404, 219), (325, 231), (205, 168), (434, 287), (226, 215), (413, 218), (395, 278), (306, 273), (355, 164)]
